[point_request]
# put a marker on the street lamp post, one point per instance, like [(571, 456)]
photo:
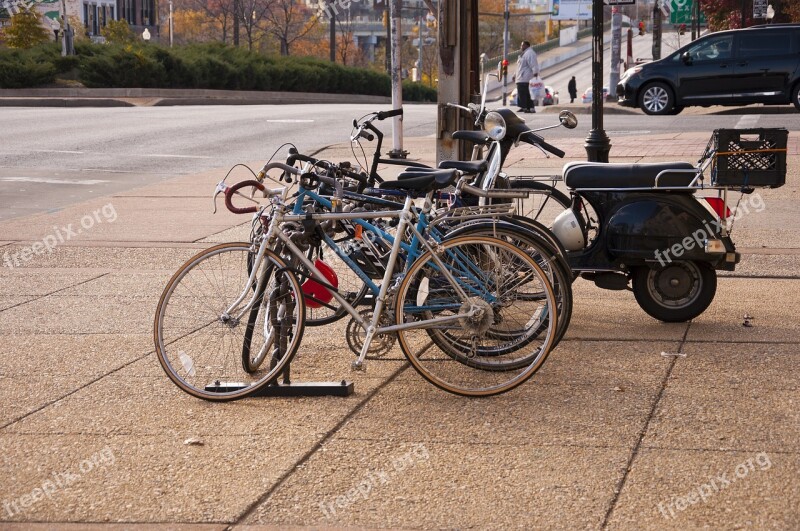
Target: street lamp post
[(597, 143)]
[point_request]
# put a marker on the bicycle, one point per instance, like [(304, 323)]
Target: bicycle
[(460, 287)]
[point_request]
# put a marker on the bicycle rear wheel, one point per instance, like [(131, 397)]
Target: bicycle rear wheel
[(465, 355), (201, 348), (540, 249)]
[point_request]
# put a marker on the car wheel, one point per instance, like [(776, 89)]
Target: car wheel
[(656, 98), (796, 95)]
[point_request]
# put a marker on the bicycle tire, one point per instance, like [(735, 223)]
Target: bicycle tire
[(422, 292), (541, 250), (197, 345)]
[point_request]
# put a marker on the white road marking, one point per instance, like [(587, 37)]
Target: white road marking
[(290, 121), (157, 155), (628, 132), (747, 121), (45, 180), (57, 151)]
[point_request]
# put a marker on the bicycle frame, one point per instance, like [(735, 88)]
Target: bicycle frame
[(274, 232)]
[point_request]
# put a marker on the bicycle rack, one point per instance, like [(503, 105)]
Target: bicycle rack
[(285, 387)]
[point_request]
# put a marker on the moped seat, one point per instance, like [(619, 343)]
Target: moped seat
[(424, 181), (604, 175), (477, 137), (469, 167)]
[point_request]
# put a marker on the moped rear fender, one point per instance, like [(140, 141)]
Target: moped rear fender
[(659, 227)]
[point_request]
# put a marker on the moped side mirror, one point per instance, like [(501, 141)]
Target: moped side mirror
[(568, 119), (355, 122), (686, 57)]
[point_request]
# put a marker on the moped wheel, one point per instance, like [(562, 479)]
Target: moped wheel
[(676, 293)]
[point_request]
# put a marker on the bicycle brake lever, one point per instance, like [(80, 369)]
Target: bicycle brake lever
[(220, 189)]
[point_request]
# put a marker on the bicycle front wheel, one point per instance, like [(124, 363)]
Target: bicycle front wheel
[(459, 298), (201, 347)]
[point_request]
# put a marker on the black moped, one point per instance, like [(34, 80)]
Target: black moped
[(628, 226)]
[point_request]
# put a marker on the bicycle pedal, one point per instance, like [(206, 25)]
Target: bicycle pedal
[(358, 367)]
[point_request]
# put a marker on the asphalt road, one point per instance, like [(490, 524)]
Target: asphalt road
[(53, 157)]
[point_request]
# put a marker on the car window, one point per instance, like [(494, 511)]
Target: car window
[(758, 44), (712, 49)]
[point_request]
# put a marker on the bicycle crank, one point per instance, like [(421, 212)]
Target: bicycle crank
[(381, 343)]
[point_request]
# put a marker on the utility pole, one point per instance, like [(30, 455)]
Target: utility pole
[(171, 27), (505, 53), (656, 31), (744, 6), (397, 80), (333, 36), (236, 10), (616, 51)]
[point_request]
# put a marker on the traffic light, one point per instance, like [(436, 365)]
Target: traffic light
[(641, 28), (504, 68), (682, 29)]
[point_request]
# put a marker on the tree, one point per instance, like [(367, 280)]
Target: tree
[(118, 32), (255, 19), (220, 14), (727, 14), (26, 30), (288, 21), (193, 25)]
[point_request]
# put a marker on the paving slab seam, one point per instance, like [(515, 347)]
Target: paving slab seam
[(742, 450), (761, 277), (67, 395), (40, 297), (223, 230), (735, 342), (498, 445), (635, 452), (314, 449)]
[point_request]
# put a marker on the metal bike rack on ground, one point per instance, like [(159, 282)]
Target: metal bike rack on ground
[(285, 387)]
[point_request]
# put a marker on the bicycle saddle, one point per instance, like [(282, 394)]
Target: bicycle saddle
[(470, 167), (605, 175), (422, 181), (478, 137)]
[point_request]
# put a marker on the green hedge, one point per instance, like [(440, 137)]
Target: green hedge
[(196, 66)]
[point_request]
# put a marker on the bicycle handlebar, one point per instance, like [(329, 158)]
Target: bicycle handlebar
[(235, 189), (382, 115), (535, 139)]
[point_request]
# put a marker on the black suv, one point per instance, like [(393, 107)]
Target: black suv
[(760, 64)]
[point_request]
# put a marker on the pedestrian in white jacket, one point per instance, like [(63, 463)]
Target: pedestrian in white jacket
[(527, 67)]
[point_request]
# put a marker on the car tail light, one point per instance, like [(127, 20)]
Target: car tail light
[(719, 207)]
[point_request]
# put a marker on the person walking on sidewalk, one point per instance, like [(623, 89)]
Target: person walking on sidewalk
[(527, 66), (572, 88)]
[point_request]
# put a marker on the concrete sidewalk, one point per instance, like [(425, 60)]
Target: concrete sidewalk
[(631, 423)]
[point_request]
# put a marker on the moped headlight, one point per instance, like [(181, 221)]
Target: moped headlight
[(495, 126)]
